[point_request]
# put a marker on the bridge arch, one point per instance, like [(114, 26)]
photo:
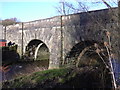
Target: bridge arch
[(37, 50), (90, 59), (89, 51), (77, 48)]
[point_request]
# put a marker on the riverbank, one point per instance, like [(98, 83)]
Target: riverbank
[(85, 77), (21, 68)]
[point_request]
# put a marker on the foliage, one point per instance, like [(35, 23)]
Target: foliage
[(9, 54), (55, 78), (10, 21), (36, 78), (11, 48), (107, 45)]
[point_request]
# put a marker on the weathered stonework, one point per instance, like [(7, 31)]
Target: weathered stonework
[(61, 33)]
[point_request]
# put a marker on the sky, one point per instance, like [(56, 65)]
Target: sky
[(29, 10)]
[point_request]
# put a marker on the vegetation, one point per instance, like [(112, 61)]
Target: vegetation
[(9, 54), (10, 21), (87, 72), (66, 7), (85, 77), (34, 79)]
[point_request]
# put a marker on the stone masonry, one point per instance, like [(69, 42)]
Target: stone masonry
[(61, 33)]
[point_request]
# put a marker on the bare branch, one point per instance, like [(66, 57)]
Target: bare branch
[(81, 54), (106, 4)]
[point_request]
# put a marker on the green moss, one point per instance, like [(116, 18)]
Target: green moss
[(13, 48), (49, 74), (72, 77)]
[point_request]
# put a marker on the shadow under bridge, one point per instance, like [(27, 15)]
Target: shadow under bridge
[(37, 50)]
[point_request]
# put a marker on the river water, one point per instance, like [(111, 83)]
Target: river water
[(23, 68)]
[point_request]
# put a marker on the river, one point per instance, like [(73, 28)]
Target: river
[(26, 68), (23, 68)]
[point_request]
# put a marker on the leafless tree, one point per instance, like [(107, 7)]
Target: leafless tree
[(68, 8), (10, 21)]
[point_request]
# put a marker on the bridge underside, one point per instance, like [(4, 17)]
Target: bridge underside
[(37, 50), (84, 54), (90, 52)]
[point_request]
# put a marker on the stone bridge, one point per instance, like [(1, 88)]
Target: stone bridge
[(64, 36)]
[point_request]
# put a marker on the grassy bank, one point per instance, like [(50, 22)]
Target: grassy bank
[(86, 77), (38, 78)]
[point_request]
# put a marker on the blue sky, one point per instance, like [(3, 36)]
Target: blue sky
[(27, 11), (30, 11)]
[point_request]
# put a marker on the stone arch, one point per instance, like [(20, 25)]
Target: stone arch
[(77, 49), (37, 50), (90, 59)]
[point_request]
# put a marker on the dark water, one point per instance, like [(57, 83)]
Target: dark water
[(23, 68)]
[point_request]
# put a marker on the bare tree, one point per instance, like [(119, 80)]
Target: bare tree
[(68, 8), (10, 21)]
